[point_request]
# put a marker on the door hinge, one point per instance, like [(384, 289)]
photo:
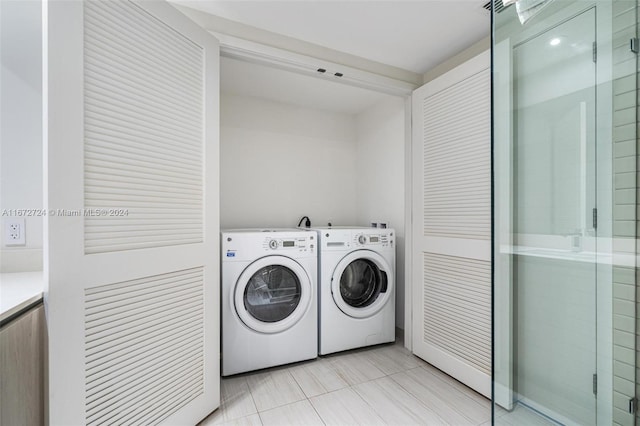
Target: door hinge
[(633, 45), (594, 51), (595, 384), (594, 214), (633, 405)]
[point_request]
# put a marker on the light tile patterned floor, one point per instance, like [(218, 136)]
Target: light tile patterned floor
[(381, 385)]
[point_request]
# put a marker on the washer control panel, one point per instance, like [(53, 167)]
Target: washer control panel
[(384, 239)]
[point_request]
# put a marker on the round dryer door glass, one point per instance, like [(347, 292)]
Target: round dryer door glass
[(361, 283), (272, 293)]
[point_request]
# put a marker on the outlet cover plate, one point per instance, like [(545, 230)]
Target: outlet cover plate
[(14, 231)]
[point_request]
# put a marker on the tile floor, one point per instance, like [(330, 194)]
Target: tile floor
[(381, 385)]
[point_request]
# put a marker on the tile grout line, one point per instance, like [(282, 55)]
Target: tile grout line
[(260, 417), (442, 382), (419, 400), (254, 401), (309, 399), (373, 410), (316, 411), (286, 370), (227, 420), (351, 387), (300, 386)]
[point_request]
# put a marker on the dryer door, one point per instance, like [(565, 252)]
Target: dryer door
[(272, 294), (362, 283)]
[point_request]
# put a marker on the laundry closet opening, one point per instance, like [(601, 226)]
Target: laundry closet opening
[(294, 145)]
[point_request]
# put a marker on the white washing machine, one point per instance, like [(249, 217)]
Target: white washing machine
[(269, 298), (356, 288)]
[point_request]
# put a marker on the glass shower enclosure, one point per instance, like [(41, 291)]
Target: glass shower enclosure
[(565, 199)]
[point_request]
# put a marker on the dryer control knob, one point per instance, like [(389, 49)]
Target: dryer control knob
[(273, 244), (362, 239)]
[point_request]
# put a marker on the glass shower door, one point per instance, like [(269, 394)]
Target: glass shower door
[(565, 153), (554, 268)]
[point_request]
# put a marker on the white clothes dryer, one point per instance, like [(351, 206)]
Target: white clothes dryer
[(269, 298), (356, 288)]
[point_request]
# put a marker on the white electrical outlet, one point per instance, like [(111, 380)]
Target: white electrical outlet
[(14, 232)]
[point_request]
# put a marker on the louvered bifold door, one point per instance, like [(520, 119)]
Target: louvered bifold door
[(132, 232), (451, 257)]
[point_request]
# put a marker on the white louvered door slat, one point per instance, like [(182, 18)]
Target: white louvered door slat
[(452, 223), (147, 94), (133, 251)]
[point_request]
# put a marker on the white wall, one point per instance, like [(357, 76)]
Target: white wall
[(280, 162), (381, 177), (21, 127)]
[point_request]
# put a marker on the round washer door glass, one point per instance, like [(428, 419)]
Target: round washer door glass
[(361, 283), (272, 293)]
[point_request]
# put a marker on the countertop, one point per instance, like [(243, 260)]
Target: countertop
[(19, 290)]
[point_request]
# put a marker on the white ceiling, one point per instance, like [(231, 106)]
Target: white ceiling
[(242, 78), (413, 35)]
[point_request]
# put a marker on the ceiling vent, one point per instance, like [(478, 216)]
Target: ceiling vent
[(497, 5)]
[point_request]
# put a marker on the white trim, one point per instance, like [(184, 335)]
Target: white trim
[(408, 226), (223, 28), (237, 48), (306, 288)]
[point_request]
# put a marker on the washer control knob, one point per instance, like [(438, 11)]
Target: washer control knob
[(362, 239), (273, 244)]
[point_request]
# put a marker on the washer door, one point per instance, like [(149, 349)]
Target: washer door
[(362, 283), (272, 294)]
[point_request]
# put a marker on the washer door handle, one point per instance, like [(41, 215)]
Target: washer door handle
[(383, 282)]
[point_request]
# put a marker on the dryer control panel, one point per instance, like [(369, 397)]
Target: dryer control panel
[(238, 246), (287, 244)]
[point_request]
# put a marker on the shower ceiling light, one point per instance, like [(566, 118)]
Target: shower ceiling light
[(555, 41), (527, 9)]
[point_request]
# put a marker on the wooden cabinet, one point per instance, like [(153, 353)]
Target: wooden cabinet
[(22, 369)]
